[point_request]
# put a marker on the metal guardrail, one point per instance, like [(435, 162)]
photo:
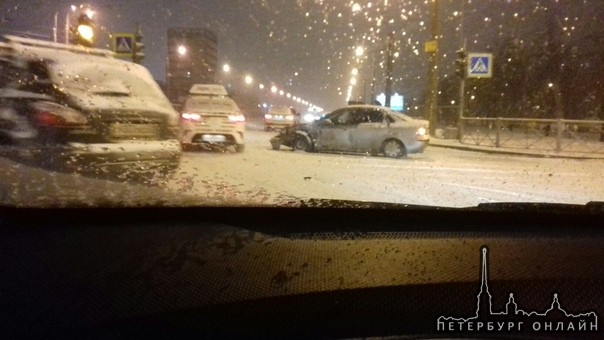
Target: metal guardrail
[(582, 136)]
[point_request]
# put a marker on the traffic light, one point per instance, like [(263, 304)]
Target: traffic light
[(84, 31), (137, 49), (461, 63)]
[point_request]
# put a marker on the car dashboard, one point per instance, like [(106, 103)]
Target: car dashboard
[(314, 271)]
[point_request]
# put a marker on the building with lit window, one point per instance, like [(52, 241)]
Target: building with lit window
[(192, 58)]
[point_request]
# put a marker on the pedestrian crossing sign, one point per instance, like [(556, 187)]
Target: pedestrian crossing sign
[(480, 65), (123, 44)]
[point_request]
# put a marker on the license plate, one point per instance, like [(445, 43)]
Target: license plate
[(213, 138), (133, 131)]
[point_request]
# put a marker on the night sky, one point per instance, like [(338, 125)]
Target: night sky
[(303, 46)]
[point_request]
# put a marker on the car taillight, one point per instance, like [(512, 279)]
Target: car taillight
[(49, 114), (191, 116), (268, 116), (237, 118)]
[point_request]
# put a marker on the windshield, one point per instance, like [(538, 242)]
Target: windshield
[(210, 104), (469, 102), (315, 169)]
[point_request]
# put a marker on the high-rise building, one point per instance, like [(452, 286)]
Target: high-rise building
[(192, 59)]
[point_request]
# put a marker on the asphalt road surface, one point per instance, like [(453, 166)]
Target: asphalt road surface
[(260, 175)]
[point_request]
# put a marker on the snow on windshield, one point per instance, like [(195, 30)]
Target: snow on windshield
[(510, 90)]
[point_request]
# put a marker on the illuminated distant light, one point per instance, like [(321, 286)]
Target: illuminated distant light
[(452, 102), (473, 97), (359, 51), (355, 71), (356, 8), (274, 89), (550, 85), (298, 100), (248, 79), (90, 13), (456, 13), (261, 86), (281, 92), (396, 54), (296, 74), (264, 105), (353, 81), (295, 98), (226, 68), (289, 95), (182, 50)]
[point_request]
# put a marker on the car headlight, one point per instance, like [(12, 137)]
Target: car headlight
[(421, 131), (191, 116), (268, 116), (309, 117)]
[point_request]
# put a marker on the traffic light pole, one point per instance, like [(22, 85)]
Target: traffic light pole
[(432, 93), (462, 80), (462, 94), (389, 66)]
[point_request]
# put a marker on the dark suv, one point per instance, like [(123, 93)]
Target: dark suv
[(72, 108)]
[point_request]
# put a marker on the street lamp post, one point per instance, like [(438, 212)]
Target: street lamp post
[(432, 89)]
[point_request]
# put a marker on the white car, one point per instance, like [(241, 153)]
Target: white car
[(209, 121), (279, 117)]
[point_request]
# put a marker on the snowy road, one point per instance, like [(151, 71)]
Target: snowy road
[(260, 175), (442, 177)]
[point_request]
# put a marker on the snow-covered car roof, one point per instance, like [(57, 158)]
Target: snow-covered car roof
[(208, 90), (93, 78)]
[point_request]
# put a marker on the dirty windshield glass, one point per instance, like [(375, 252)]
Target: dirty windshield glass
[(106, 103)]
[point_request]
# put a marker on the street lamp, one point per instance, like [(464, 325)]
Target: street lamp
[(248, 79), (359, 51), (181, 50), (226, 68)]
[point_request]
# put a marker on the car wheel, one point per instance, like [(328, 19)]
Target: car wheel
[(239, 147), (394, 149), (301, 143)]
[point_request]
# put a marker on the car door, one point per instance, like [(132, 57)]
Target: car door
[(334, 132), (367, 134)]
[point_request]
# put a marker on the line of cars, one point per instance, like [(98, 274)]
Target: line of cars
[(76, 109)]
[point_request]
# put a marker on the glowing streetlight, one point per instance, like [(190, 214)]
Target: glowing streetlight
[(355, 71), (182, 50), (226, 68), (274, 89), (359, 51), (248, 79)]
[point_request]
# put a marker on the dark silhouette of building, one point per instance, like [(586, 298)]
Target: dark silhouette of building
[(192, 58)]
